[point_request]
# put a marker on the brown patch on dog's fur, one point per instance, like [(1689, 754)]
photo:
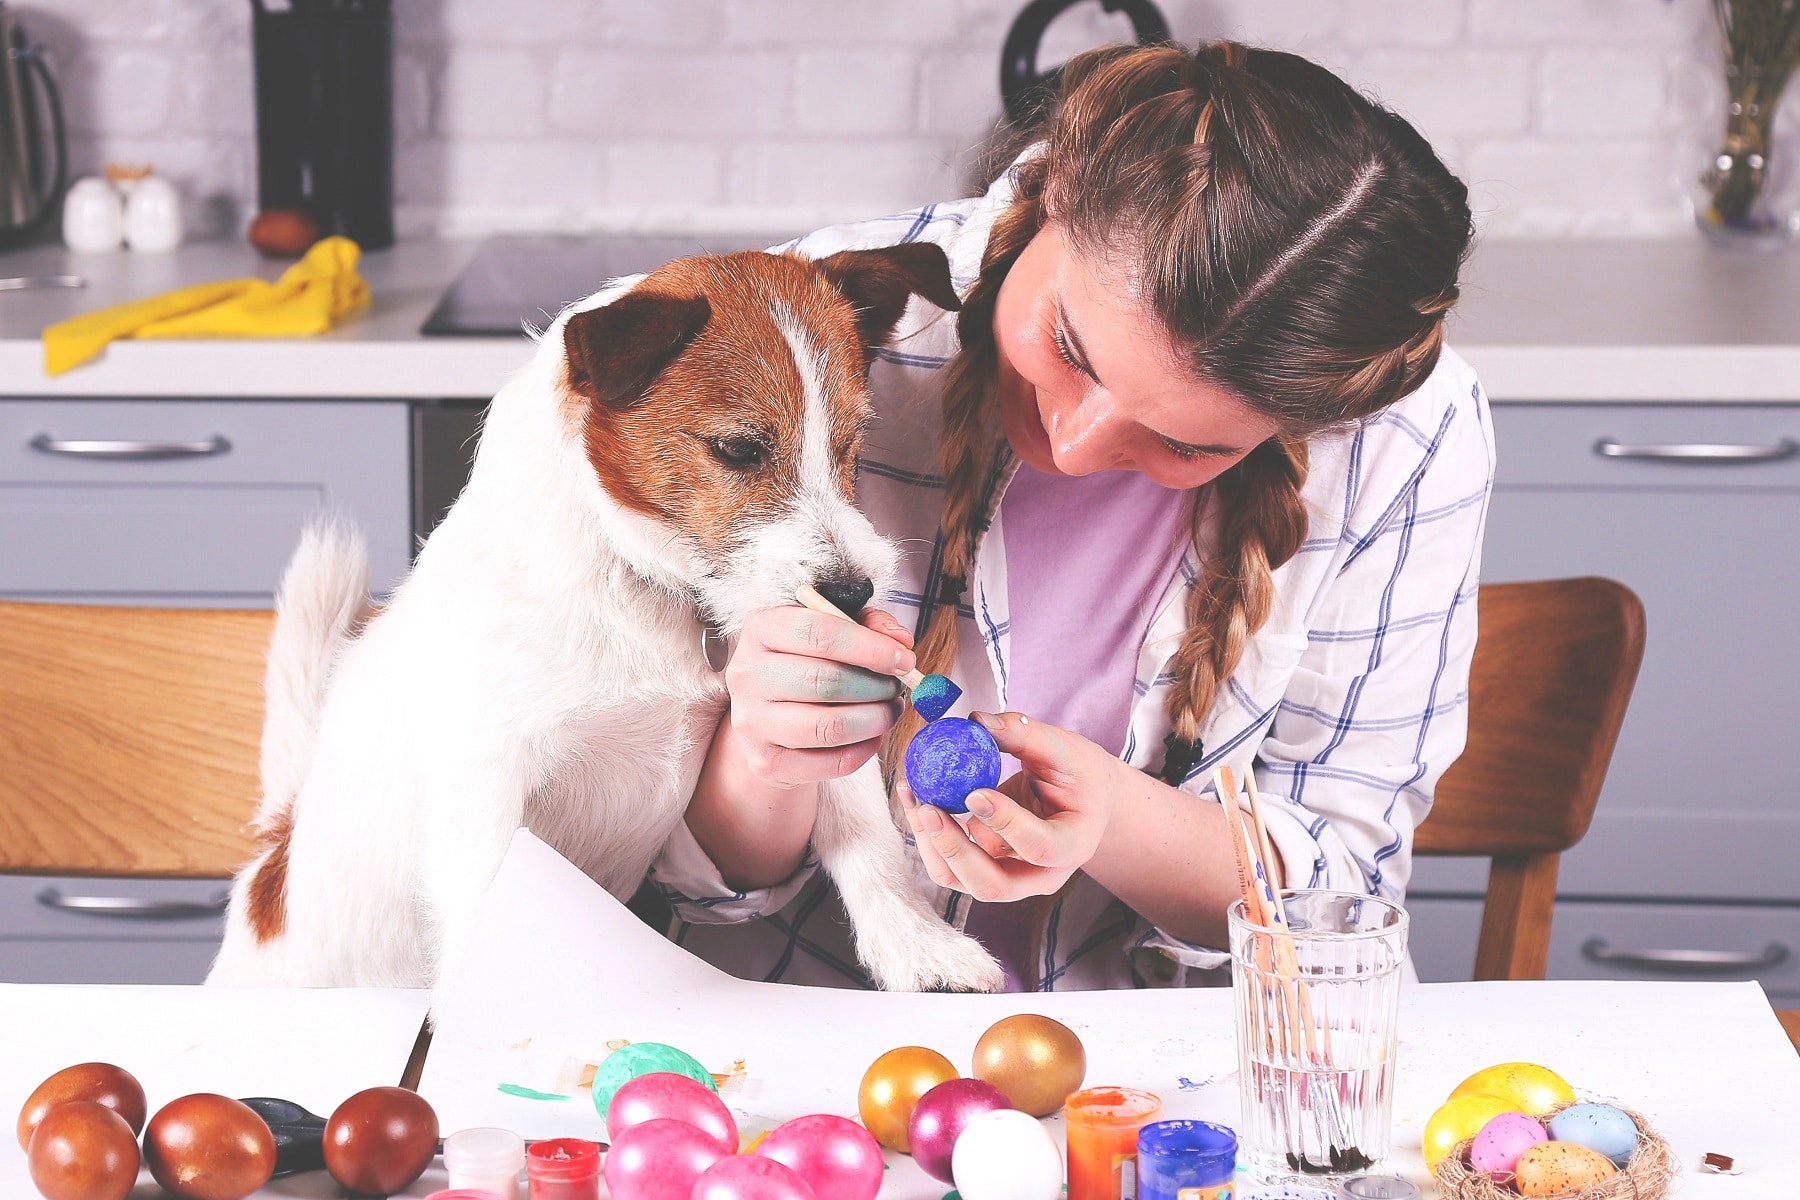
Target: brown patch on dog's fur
[(265, 909), (694, 355)]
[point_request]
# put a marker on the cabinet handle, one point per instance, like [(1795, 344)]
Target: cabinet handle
[(128, 447), (1714, 452), (1699, 961), (20, 283), (136, 907)]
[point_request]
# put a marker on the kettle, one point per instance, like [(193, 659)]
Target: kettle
[(29, 185)]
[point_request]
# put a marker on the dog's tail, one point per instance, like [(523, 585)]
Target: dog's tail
[(322, 602)]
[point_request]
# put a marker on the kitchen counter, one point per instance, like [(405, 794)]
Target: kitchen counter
[(1599, 321), (378, 354)]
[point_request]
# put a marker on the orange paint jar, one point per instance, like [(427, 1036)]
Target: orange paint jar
[(1102, 1125)]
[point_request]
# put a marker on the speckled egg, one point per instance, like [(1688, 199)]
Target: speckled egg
[(1499, 1143), (1552, 1167), (1599, 1127)]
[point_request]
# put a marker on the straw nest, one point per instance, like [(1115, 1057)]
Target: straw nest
[(1649, 1175)]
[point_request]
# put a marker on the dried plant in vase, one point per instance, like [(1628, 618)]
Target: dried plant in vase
[(1762, 47)]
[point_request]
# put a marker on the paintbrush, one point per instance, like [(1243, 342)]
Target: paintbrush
[(931, 695)]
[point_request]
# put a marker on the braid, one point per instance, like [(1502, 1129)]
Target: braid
[(1261, 521), (969, 440)]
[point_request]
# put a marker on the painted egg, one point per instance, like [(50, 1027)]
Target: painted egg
[(751, 1177), (641, 1058), (1552, 1167), (892, 1086), (1460, 1119), (1035, 1061), (1007, 1155), (950, 758), (658, 1159), (664, 1094), (1497, 1147), (102, 1083), (836, 1156), (940, 1117), (1531, 1089), (210, 1147), (1599, 1127), (83, 1150), (380, 1140)]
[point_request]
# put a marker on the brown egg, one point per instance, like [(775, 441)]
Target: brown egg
[(83, 1150), (1035, 1061), (102, 1083), (380, 1140), (891, 1087), (283, 232), (1551, 1168), (209, 1147)]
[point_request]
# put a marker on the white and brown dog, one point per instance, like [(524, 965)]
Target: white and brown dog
[(680, 450)]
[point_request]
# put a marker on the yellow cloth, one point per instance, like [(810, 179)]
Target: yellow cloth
[(309, 296)]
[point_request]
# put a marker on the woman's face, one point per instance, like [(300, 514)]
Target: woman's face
[(1089, 381)]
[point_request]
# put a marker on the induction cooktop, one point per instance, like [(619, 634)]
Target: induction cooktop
[(514, 279)]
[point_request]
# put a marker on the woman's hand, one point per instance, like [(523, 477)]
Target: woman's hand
[(812, 695), (1037, 829)]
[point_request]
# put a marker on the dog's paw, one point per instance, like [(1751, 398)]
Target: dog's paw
[(943, 961)]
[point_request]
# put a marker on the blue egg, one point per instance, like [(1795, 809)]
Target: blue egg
[(934, 696), (950, 758), (1600, 1127)]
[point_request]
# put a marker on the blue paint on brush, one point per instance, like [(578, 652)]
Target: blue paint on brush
[(949, 759), (933, 697)]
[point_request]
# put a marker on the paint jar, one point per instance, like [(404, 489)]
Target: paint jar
[(485, 1159), (564, 1169), (1185, 1160), (1102, 1125), (1378, 1187)]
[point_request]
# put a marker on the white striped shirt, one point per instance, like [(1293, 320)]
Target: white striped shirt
[(1351, 699)]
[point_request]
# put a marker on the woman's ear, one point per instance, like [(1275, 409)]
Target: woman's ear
[(878, 283), (614, 351)]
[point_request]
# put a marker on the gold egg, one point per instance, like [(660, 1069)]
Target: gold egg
[(892, 1086), (1035, 1061)]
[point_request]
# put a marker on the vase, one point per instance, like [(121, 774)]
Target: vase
[(1747, 190)]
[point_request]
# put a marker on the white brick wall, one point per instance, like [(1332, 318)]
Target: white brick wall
[(1570, 117)]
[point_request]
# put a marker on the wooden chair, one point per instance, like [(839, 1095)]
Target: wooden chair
[(129, 739), (1552, 674)]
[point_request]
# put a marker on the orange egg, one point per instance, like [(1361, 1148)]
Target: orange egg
[(892, 1086), (83, 1150), (102, 1083), (1549, 1168), (209, 1147)]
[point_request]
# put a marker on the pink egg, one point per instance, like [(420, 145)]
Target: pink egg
[(941, 1115), (750, 1177), (664, 1095), (839, 1159), (659, 1159), (1497, 1147)]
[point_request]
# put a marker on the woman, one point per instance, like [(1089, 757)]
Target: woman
[(1191, 481)]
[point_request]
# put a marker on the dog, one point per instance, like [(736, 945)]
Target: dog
[(680, 452)]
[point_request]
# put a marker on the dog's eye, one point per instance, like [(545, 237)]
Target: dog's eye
[(739, 454)]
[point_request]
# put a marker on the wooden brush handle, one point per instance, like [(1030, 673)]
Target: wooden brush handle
[(807, 595)]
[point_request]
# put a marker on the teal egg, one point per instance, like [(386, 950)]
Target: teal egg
[(1600, 1127), (641, 1058)]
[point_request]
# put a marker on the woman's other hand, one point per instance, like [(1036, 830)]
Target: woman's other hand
[(1027, 837), (812, 695)]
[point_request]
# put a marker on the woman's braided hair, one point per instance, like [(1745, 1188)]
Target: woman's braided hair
[(1301, 245)]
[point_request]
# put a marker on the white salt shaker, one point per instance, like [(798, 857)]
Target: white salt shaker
[(93, 218), (153, 215), (487, 1159)]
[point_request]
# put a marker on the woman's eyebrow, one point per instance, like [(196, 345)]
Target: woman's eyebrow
[(1076, 350)]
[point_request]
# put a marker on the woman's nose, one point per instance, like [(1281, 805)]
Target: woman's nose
[(1089, 438)]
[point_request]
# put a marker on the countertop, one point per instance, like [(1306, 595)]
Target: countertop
[(1564, 321)]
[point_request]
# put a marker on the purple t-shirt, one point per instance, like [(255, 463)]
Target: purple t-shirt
[(1087, 560)]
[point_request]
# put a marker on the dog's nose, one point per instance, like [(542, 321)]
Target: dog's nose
[(848, 594)]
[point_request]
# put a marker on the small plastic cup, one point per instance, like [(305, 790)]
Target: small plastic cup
[(485, 1159), (1102, 1124), (1185, 1160), (564, 1169)]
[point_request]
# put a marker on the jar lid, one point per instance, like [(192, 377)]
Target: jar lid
[(1112, 1107), (1378, 1187), (1201, 1144), (563, 1160), (484, 1150), (465, 1194)]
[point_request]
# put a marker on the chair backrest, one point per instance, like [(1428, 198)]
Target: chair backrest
[(129, 739), (1552, 674)]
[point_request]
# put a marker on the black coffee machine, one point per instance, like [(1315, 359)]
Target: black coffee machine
[(325, 113)]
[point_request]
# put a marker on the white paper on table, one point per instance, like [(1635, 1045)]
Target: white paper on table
[(314, 1047), (557, 969)]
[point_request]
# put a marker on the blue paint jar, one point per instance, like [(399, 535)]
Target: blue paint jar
[(1186, 1160)]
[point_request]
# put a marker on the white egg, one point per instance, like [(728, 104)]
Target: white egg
[(1007, 1155)]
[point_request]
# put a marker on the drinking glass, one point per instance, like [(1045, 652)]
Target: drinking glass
[(1317, 1006)]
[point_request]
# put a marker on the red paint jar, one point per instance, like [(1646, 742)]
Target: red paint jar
[(564, 1169)]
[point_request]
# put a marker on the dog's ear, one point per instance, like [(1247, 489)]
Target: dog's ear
[(878, 283), (614, 351)]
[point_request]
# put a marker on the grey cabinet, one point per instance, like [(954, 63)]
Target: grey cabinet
[(192, 502), (108, 930), (1697, 509)]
